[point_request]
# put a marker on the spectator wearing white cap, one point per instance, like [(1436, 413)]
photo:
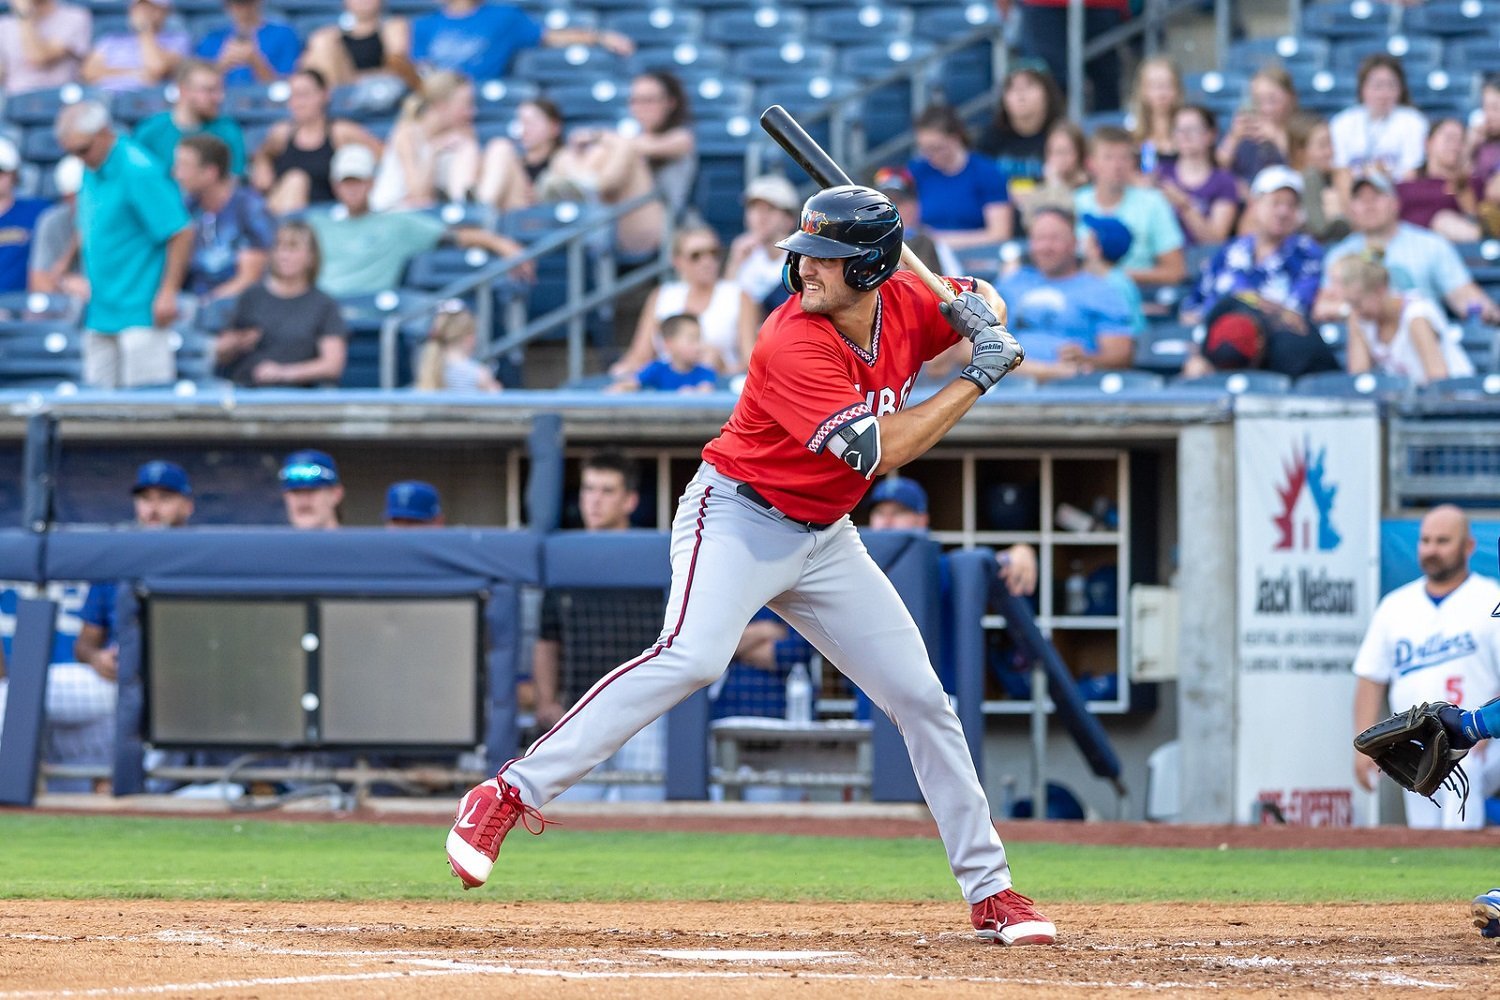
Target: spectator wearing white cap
[(1418, 259), (145, 55), (53, 266), (18, 219), (135, 237), (43, 44), (755, 262), (365, 252)]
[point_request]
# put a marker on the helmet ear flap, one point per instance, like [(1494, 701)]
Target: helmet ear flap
[(791, 280)]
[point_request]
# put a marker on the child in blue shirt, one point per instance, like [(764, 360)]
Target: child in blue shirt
[(680, 370)]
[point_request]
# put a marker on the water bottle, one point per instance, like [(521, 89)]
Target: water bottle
[(1076, 591), (799, 695)]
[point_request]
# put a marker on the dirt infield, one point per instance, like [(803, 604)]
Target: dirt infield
[(664, 951)]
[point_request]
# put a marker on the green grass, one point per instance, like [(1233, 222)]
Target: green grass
[(108, 857)]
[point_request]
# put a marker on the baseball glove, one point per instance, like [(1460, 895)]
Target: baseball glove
[(1415, 748)]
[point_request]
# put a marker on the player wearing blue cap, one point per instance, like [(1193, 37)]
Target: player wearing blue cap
[(413, 504), (311, 490)]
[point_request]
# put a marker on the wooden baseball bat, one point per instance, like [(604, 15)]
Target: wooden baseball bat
[(792, 137)]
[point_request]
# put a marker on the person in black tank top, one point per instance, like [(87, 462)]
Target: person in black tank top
[(508, 175), (292, 166), (365, 42)]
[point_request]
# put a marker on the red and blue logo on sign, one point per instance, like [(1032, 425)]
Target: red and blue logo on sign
[(1305, 523)]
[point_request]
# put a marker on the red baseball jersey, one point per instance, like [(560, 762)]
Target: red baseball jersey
[(807, 380)]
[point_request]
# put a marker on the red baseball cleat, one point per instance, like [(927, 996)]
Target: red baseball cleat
[(485, 815), (1010, 918)]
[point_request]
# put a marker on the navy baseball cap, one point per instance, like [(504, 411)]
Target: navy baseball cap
[(898, 489), (162, 476), (412, 500), (1113, 236), (308, 470)]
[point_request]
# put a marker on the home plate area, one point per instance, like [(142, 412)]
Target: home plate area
[(667, 950)]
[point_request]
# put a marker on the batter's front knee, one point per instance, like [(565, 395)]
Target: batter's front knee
[(701, 661)]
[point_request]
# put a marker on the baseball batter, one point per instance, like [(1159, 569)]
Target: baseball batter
[(1433, 640), (766, 522)]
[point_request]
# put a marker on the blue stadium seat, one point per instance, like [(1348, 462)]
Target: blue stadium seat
[(433, 270), (1108, 383), (1340, 19), (215, 315), (497, 100), (1254, 382), (39, 145), (1451, 18), (41, 107), (862, 24), (130, 107), (305, 24), (1371, 384), (1419, 55), (887, 111), (33, 306), (1441, 94), (1221, 92), (1482, 259), (969, 72), (806, 95), (195, 355), (257, 104), (1163, 346), (1094, 119), (1325, 92), (300, 8), (1467, 387), (598, 100), (526, 225), (660, 24), (37, 351), (983, 260), (787, 61), (760, 25), (721, 173), (548, 66), (464, 213), (717, 99), (1290, 51), (1475, 54), (363, 315), (689, 61), (379, 97)]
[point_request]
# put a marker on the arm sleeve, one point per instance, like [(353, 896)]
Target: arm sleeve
[(332, 324), (992, 188), (1448, 266), (212, 42), (96, 610), (808, 392), (526, 31), (1373, 661), (281, 47)]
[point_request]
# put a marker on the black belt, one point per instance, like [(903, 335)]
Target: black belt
[(753, 495)]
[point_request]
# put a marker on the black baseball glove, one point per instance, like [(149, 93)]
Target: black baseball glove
[(1420, 749)]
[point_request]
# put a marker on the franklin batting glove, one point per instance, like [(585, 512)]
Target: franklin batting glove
[(996, 353), (969, 314)]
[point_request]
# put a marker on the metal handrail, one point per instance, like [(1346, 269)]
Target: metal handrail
[(571, 237)]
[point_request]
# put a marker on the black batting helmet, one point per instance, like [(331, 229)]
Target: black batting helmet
[(853, 223)]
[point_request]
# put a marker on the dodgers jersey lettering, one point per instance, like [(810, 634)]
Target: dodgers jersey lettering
[(1448, 651), (806, 380)]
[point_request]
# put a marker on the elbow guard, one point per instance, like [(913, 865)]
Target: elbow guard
[(857, 443)]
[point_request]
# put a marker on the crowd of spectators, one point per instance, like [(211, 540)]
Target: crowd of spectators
[(1176, 213)]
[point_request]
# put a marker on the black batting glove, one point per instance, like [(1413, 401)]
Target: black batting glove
[(969, 314), (996, 353)]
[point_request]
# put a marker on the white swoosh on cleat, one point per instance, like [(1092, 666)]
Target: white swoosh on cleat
[(465, 822)]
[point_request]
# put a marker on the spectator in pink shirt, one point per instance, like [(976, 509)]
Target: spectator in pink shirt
[(43, 44), (144, 56)]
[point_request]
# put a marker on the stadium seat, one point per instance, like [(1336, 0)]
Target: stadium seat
[(721, 173), (36, 352), (1372, 384), (969, 72), (364, 315), (759, 25), (1222, 92), (786, 61), (1419, 55), (983, 260), (1341, 19), (1469, 387), (39, 146), (130, 107), (41, 107), (861, 24), (433, 270), (379, 97), (591, 100), (1482, 258), (1260, 383), (214, 315), (497, 100), (1163, 346), (689, 61), (40, 306), (1325, 92), (1478, 54), (717, 99), (1296, 54), (1108, 383), (1451, 18), (257, 104), (660, 24), (549, 66)]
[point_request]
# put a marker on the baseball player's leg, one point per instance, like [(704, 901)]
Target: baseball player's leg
[(728, 559), (849, 610)]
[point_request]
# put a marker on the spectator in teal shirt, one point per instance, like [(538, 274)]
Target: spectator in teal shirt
[(135, 238), (199, 107)]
